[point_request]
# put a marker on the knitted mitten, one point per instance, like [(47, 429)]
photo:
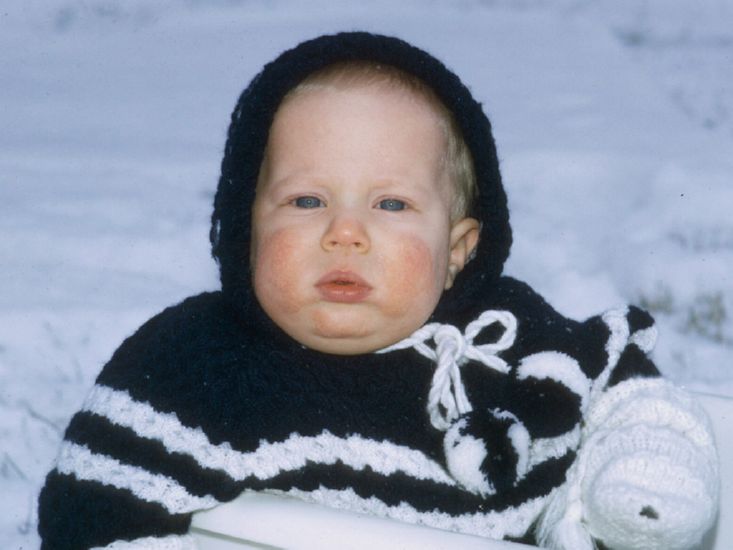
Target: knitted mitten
[(646, 475)]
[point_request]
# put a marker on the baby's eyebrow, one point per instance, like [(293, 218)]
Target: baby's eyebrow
[(298, 183), (402, 183), (290, 180)]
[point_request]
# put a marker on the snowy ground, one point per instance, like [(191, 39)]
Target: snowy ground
[(614, 122)]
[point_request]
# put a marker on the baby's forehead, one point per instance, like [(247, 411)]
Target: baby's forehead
[(369, 76), (356, 129)]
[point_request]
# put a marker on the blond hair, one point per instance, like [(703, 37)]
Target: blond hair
[(457, 159)]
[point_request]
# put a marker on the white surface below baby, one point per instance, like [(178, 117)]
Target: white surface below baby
[(256, 520)]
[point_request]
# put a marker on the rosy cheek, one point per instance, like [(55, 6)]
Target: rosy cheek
[(276, 272), (415, 283)]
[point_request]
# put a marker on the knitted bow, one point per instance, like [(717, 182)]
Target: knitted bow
[(447, 399)]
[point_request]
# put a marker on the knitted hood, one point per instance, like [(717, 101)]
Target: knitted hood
[(248, 135)]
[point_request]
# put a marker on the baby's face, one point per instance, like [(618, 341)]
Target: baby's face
[(352, 243)]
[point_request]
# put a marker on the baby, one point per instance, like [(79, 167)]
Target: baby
[(365, 352)]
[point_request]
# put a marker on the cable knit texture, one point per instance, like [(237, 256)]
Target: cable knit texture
[(498, 415)]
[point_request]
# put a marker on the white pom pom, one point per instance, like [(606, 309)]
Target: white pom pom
[(464, 455), (467, 451)]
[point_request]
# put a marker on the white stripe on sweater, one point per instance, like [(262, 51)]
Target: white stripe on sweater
[(79, 461), (513, 521), (557, 366), (269, 459), (618, 338), (545, 448), (172, 542), (645, 338)]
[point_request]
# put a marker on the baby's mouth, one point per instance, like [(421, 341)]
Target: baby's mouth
[(343, 286)]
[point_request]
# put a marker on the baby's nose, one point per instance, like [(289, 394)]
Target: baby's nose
[(346, 232)]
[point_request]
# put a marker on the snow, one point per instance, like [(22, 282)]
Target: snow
[(613, 118)]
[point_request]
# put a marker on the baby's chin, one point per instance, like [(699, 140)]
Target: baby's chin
[(348, 328), (354, 330), (345, 338)]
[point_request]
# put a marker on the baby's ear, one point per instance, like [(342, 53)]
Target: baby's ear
[(463, 241)]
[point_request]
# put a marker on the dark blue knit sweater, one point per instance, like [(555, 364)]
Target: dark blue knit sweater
[(198, 406)]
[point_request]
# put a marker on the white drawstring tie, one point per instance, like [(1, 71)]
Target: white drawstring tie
[(447, 399)]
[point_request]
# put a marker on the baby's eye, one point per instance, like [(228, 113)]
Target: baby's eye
[(392, 204), (308, 202)]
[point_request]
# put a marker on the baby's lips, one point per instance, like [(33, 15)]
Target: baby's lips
[(343, 287), (343, 278)]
